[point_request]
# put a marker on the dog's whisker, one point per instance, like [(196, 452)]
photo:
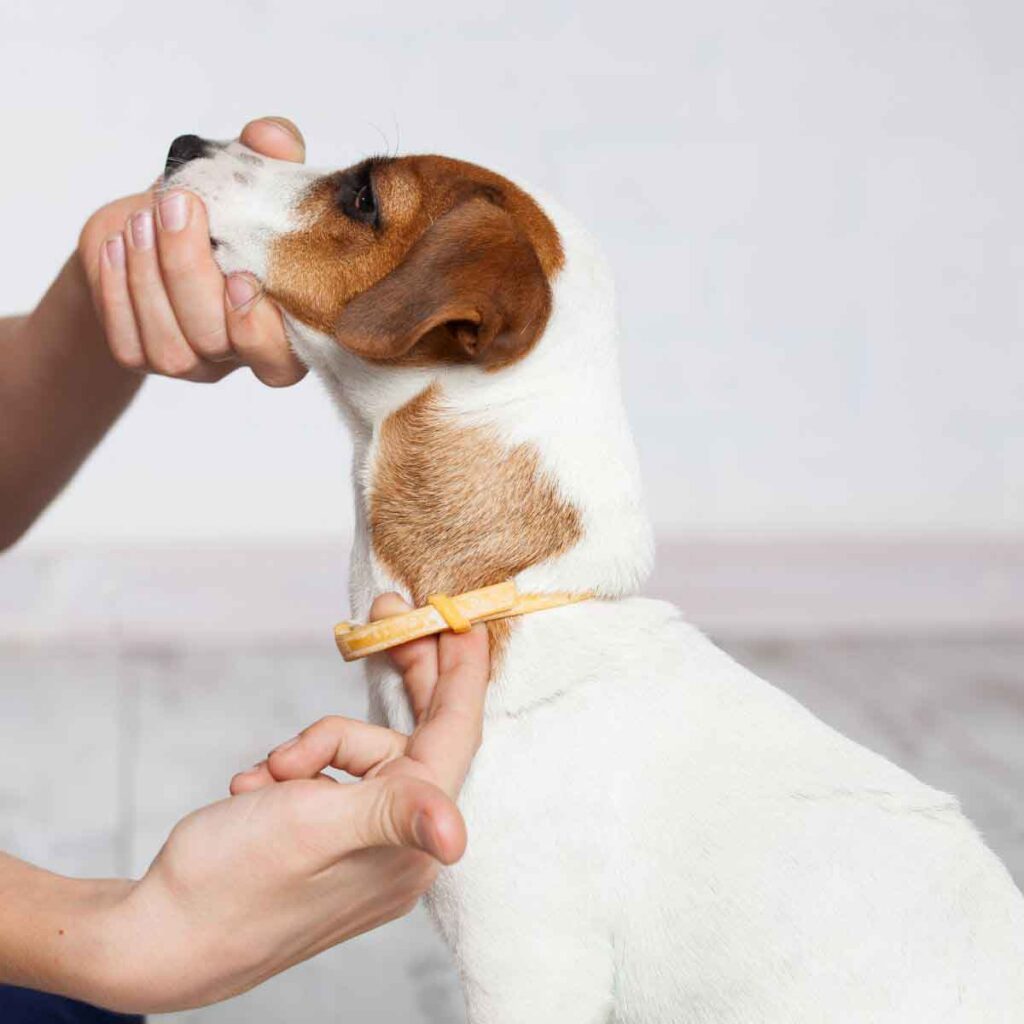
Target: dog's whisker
[(383, 136), (398, 135)]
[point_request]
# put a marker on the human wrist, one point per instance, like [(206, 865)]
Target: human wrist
[(139, 967), (72, 296), (108, 948), (66, 331), (54, 932)]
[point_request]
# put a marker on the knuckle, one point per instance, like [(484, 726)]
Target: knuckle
[(212, 342), (129, 359), (249, 343), (329, 724), (179, 258), (87, 240), (94, 230), (385, 814), (176, 363)]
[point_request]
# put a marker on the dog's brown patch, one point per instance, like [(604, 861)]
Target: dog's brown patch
[(476, 255), (452, 509)]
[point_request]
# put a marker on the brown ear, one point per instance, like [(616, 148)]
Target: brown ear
[(470, 289)]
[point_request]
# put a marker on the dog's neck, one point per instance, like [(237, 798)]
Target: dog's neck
[(465, 477)]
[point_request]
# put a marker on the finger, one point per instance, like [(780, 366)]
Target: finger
[(387, 605), (192, 280), (102, 225), (276, 137), (257, 333), (449, 737), (116, 306), (162, 341), (346, 743), (259, 777), (251, 779), (416, 660), (398, 811)]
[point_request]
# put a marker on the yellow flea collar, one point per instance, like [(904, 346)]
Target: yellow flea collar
[(459, 614)]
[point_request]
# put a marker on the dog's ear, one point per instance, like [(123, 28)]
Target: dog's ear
[(470, 289)]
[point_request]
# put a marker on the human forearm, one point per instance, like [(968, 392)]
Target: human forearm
[(64, 379), (53, 931), (289, 866), (60, 391)]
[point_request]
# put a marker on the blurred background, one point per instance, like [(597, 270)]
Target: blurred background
[(815, 217)]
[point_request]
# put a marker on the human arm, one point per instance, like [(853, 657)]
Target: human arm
[(275, 874), (70, 367), (60, 390)]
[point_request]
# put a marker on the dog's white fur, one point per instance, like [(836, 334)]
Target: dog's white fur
[(657, 835)]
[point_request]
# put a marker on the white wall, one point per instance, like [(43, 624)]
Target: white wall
[(815, 211)]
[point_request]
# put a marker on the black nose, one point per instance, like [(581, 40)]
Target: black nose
[(183, 149)]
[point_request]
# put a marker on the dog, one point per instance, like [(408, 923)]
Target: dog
[(657, 835)]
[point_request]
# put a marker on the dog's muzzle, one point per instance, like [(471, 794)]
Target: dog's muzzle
[(184, 149)]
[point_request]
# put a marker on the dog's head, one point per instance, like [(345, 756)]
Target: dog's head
[(403, 261), (471, 344)]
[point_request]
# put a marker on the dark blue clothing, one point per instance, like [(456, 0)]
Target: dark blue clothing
[(25, 1006)]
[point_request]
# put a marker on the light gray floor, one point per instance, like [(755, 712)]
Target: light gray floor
[(106, 741)]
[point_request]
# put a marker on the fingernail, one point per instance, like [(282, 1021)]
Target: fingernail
[(241, 290), (115, 252), (142, 230), (173, 210), (287, 745), (286, 127), (425, 833)]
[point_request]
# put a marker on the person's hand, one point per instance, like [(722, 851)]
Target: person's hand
[(165, 306), (442, 681), (295, 862)]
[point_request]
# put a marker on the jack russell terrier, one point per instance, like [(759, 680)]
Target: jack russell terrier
[(658, 836)]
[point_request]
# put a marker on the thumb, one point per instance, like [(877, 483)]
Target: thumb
[(395, 810), (276, 137)]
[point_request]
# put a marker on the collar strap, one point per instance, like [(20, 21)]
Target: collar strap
[(441, 612)]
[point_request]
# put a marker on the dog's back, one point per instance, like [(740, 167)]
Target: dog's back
[(669, 838)]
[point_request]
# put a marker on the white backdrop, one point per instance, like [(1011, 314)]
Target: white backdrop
[(814, 209)]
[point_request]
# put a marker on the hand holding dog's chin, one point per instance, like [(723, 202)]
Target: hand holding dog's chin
[(164, 304)]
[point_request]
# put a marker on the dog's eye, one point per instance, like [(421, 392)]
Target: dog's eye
[(364, 202), (356, 197)]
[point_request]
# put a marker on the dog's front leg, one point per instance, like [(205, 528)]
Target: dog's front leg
[(541, 993), (525, 913), (518, 968)]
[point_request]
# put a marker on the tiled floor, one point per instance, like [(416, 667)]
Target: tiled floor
[(108, 734)]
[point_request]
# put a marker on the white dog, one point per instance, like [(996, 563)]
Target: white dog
[(657, 835)]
